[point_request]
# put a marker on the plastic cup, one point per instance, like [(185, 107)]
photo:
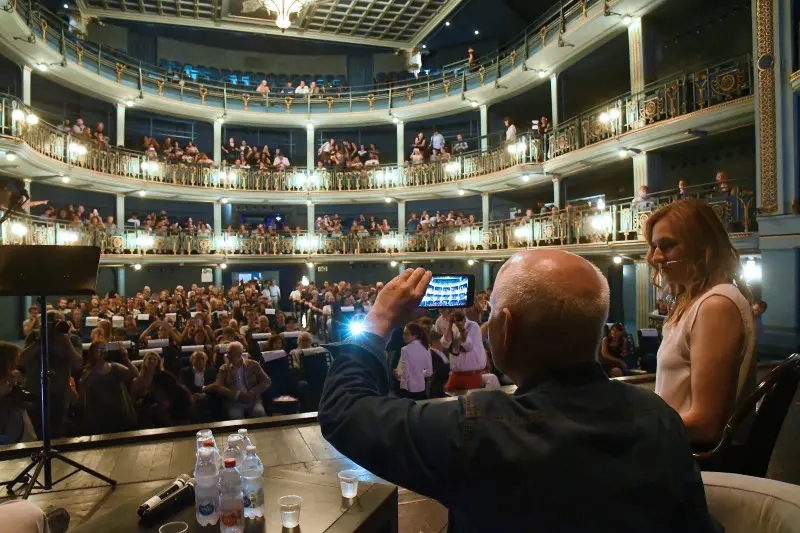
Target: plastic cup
[(348, 479), (290, 510), (174, 527)]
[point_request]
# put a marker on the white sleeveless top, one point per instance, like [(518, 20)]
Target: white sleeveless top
[(674, 370)]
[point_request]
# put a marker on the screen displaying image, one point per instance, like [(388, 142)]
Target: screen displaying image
[(447, 291)]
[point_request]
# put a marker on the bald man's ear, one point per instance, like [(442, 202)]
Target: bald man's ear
[(507, 329)]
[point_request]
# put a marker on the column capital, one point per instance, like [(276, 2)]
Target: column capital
[(122, 105), (121, 195), (27, 67), (485, 193), (555, 179), (553, 76)]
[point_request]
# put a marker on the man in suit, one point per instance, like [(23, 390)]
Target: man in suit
[(570, 450), (199, 379), (241, 381)]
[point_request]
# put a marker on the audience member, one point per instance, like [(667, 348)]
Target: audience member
[(242, 381)]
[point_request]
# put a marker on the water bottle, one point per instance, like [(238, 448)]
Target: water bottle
[(235, 448), (206, 491), (231, 502), (246, 437), (253, 484), (204, 435)]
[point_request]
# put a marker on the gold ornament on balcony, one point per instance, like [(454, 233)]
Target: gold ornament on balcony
[(700, 85), (79, 53), (288, 101), (730, 84), (120, 69), (329, 100), (245, 100), (44, 29), (203, 93), (482, 74), (446, 85), (371, 100), (543, 36), (584, 4), (160, 85), (410, 94), (514, 58)]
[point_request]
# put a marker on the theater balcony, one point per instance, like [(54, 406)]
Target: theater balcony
[(32, 35)]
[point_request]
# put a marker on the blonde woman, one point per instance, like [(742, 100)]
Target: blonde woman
[(706, 361), (141, 385)]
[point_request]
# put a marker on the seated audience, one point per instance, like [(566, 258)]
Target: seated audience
[(613, 350), (242, 381), (565, 411)]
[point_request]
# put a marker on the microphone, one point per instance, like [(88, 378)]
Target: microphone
[(156, 500), (169, 505)]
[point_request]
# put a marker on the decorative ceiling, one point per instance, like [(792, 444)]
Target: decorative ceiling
[(384, 23)]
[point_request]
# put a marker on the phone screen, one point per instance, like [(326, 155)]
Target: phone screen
[(449, 291)]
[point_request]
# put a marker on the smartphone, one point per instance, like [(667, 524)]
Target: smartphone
[(450, 291)]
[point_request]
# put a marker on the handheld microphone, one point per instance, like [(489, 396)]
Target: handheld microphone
[(156, 500), (169, 505)]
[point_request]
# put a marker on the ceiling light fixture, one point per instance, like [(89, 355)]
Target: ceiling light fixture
[(477, 32), (461, 192), (224, 200), (470, 262), (11, 157), (142, 193), (129, 103), (137, 266), (223, 266), (543, 73), (309, 203), (447, 23), (285, 10), (474, 103), (424, 46), (396, 120), (64, 179), (392, 264), (32, 119), (387, 200), (66, 6)]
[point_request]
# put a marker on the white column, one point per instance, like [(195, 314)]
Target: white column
[(557, 199), (217, 218), (27, 206), (218, 275), (311, 147), (647, 171), (217, 142), (310, 218), (554, 100), (121, 280), (120, 211), (121, 124), (484, 127), (644, 295), (636, 54), (26, 86), (312, 274), (485, 210), (487, 273), (401, 217), (401, 143)]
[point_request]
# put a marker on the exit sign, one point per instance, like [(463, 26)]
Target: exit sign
[(322, 268)]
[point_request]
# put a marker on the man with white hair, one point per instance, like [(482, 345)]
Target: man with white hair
[(570, 450), (242, 381)]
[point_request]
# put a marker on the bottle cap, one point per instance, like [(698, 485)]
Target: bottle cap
[(230, 462), (251, 448), (208, 443)]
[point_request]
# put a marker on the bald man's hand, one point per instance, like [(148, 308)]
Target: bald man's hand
[(398, 302)]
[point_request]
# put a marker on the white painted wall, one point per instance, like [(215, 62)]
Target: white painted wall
[(255, 61)]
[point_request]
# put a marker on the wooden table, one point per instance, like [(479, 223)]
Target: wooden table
[(323, 509)]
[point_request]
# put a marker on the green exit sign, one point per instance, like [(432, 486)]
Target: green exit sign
[(322, 268)]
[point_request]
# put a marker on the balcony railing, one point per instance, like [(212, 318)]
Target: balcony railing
[(590, 222), (670, 98), (453, 79)]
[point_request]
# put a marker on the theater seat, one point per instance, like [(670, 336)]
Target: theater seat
[(315, 369), (648, 348), (745, 504), (276, 365)]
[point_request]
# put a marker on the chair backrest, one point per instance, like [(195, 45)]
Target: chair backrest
[(315, 369), (91, 322), (117, 321), (273, 355), (260, 336), (276, 365), (157, 343), (193, 348), (146, 351), (770, 401)]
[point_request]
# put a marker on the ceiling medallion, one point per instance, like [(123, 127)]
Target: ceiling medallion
[(285, 10)]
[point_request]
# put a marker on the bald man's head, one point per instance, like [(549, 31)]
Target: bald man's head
[(548, 308), (235, 351)]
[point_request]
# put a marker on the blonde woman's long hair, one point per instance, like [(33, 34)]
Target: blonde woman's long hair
[(708, 249)]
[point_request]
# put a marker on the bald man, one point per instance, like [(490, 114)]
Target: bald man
[(569, 451), (242, 381)]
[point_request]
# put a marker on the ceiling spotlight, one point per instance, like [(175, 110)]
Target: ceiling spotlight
[(543, 73), (32, 119), (142, 193), (219, 120), (471, 262), (447, 23), (387, 200), (42, 66), (526, 178), (137, 266), (223, 266), (309, 203), (17, 115), (617, 259), (424, 46), (310, 265), (129, 103), (66, 6), (396, 120), (474, 103), (64, 179), (477, 32), (627, 20), (461, 192), (11, 157), (392, 264), (623, 153), (224, 200)]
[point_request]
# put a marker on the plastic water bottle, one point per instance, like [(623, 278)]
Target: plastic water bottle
[(235, 448), (204, 435), (206, 490), (253, 484), (246, 437), (231, 502)]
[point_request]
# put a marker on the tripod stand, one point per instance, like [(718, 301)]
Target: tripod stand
[(73, 263)]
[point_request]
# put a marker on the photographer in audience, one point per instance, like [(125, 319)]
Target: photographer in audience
[(487, 456)]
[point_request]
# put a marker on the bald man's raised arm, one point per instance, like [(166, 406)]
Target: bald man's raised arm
[(416, 446)]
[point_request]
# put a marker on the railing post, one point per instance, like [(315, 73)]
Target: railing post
[(99, 56), (141, 81), (224, 95)]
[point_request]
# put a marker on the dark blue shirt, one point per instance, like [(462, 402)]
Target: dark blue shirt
[(570, 452)]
